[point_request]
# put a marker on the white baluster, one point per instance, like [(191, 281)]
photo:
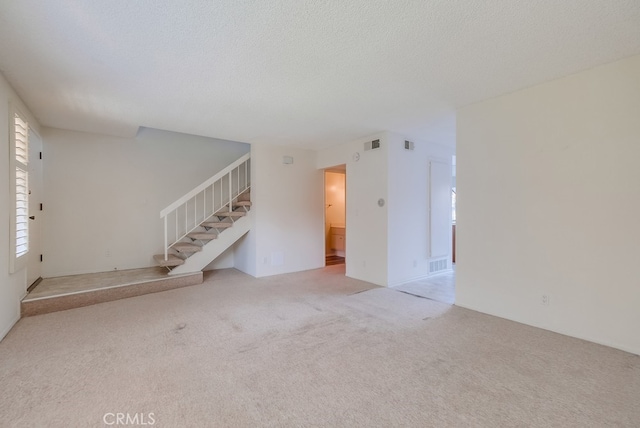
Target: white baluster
[(166, 247)]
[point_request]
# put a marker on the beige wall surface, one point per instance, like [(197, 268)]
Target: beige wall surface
[(548, 205), (409, 186), (287, 233)]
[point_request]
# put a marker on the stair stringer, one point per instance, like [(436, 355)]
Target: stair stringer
[(198, 261)]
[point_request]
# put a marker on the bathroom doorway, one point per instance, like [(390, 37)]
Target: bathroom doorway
[(335, 215)]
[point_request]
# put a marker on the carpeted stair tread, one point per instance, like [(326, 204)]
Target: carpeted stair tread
[(203, 236), (217, 224), (231, 214), (185, 247), (334, 260), (172, 260), (245, 196)]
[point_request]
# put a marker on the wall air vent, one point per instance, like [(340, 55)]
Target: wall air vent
[(408, 145), (437, 265), (371, 145)]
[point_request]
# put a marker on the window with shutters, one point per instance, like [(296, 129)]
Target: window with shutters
[(19, 156)]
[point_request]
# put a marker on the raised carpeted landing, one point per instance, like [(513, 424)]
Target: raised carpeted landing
[(306, 349)]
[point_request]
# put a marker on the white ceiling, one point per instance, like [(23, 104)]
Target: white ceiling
[(310, 73)]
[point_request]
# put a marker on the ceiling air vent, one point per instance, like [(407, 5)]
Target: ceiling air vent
[(408, 145), (371, 145)]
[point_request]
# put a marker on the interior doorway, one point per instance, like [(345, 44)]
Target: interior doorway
[(35, 186), (335, 227), (453, 210)]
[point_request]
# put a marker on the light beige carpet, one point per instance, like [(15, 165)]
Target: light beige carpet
[(309, 349)]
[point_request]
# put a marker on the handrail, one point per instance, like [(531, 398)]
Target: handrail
[(204, 185)]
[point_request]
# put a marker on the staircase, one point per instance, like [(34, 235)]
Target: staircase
[(332, 259), (208, 220)]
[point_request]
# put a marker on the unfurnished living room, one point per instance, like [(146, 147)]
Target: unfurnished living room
[(298, 213)]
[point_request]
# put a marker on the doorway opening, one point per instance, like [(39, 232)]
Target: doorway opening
[(335, 215)]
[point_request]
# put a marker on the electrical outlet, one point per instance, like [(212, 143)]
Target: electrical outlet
[(415, 263), (107, 253), (545, 299)]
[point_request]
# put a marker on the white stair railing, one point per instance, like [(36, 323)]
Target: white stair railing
[(217, 193)]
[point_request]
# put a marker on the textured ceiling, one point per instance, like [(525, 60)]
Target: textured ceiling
[(310, 73)]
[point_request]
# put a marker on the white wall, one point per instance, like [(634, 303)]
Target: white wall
[(366, 231), (408, 202), (104, 194), (384, 242), (12, 286), (548, 204), (245, 250), (225, 260), (287, 205)]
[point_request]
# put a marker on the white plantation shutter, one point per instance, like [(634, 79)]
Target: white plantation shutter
[(21, 129), (22, 213), (20, 177)]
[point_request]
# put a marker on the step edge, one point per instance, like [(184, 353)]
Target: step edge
[(25, 300), (187, 249)]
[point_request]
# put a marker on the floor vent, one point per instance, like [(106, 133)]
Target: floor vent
[(437, 265)]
